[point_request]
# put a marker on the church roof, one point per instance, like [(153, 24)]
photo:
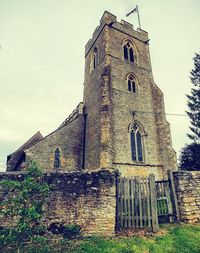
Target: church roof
[(14, 158)]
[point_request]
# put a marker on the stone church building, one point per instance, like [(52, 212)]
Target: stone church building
[(120, 124)]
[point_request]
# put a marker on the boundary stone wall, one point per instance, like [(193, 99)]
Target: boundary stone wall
[(86, 199), (187, 185)]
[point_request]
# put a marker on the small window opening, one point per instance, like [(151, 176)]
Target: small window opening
[(57, 158), (125, 53), (95, 58), (131, 55), (131, 84)]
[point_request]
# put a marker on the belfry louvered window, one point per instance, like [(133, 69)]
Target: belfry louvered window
[(131, 83), (136, 143), (57, 159), (129, 52)]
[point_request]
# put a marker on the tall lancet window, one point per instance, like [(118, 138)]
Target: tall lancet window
[(95, 58), (57, 159), (131, 81), (129, 52), (136, 143)]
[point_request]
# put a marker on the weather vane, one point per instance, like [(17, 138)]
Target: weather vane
[(135, 10)]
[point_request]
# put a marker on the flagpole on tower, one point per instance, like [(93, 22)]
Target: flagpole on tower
[(135, 10), (138, 16)]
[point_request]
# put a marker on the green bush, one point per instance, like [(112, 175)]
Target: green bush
[(22, 207), (71, 231)]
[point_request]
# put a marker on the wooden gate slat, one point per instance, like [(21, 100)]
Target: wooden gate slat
[(136, 202), (153, 202), (168, 197), (140, 201), (126, 202), (133, 202), (148, 204), (174, 196), (121, 200), (118, 202), (144, 208), (129, 203)]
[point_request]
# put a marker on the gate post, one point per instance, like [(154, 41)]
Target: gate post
[(117, 185), (153, 201), (174, 196)]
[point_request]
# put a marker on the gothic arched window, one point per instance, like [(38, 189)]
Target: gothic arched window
[(95, 58), (129, 51), (136, 143), (131, 81), (57, 159)]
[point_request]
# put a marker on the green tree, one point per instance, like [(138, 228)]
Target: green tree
[(194, 101), (190, 154), (190, 157), (23, 207)]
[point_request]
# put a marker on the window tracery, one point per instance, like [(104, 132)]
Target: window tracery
[(136, 143), (131, 82), (129, 52)]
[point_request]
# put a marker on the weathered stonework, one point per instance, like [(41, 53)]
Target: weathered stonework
[(188, 193), (69, 139), (86, 199), (111, 108)]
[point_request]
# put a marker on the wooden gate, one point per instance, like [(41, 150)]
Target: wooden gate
[(136, 203), (167, 205), (164, 203)]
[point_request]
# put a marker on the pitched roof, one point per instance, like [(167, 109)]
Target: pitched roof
[(14, 158)]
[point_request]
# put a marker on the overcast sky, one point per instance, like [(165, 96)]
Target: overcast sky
[(42, 60)]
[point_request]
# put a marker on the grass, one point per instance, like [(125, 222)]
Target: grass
[(177, 239), (171, 239)]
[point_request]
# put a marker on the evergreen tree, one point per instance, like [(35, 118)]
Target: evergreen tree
[(190, 157), (190, 154), (194, 101)]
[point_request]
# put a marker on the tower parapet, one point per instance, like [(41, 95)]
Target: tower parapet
[(110, 20)]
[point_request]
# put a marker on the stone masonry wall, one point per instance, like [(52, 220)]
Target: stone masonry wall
[(86, 199), (123, 103), (167, 154), (188, 193), (69, 139)]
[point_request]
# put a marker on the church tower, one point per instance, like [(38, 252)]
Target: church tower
[(125, 123)]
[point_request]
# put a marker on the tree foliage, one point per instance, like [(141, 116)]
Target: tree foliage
[(190, 154), (190, 157), (194, 101), (23, 207)]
